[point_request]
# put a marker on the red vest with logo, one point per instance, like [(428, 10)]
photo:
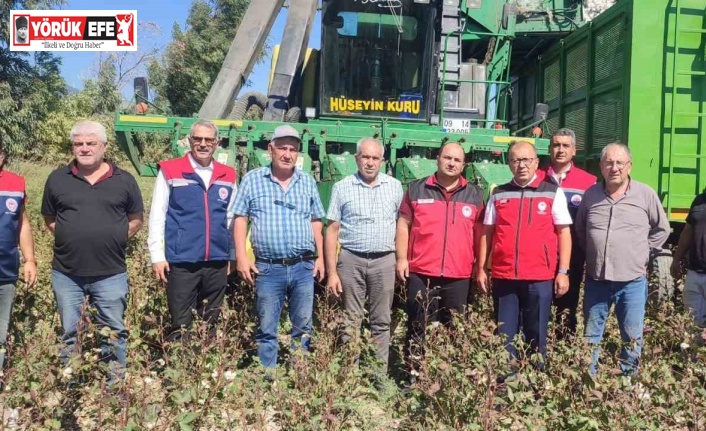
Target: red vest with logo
[(576, 181), (441, 238), (525, 243)]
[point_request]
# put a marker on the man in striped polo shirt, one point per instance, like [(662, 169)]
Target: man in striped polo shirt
[(283, 206), (362, 217), (574, 181)]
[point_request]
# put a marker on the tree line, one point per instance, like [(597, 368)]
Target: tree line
[(37, 107)]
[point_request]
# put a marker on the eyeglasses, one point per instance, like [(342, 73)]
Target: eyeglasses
[(91, 144), (525, 162), (618, 165), (197, 139)]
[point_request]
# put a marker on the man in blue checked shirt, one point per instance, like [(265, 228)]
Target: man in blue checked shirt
[(283, 206), (362, 217)]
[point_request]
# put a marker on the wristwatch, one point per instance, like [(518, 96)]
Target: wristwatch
[(563, 271)]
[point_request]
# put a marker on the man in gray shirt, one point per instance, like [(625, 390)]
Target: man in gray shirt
[(362, 217), (618, 224)]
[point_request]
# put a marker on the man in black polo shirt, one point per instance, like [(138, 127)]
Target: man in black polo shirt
[(693, 240), (92, 207)]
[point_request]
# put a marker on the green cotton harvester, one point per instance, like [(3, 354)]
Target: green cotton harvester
[(418, 73)]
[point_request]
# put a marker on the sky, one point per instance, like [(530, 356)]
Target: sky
[(77, 66)]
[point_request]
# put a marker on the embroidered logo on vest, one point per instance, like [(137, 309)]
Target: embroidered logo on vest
[(223, 193), (467, 211), (542, 207), (11, 205)]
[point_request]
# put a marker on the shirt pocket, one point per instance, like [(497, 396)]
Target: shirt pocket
[(300, 203)]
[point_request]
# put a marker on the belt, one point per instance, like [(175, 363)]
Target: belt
[(373, 255), (286, 261)]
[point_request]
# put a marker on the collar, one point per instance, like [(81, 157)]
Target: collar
[(72, 169), (627, 189), (561, 176), (531, 183), (382, 178), (195, 165), (267, 172), (431, 181)]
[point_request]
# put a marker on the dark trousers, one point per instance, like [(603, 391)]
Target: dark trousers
[(567, 304), (196, 287), (527, 303), (431, 299)]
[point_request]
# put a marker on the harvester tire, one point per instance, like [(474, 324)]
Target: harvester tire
[(661, 289), (293, 115), (241, 106)]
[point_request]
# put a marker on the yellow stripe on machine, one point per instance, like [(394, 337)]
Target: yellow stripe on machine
[(678, 213), (509, 139), (143, 119), (227, 123)]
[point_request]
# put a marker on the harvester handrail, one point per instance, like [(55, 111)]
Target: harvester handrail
[(473, 81)]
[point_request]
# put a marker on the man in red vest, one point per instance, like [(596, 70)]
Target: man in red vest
[(438, 226), (574, 181), (526, 227)]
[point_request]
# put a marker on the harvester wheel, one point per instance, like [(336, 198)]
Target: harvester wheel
[(244, 103), (293, 115), (661, 288)]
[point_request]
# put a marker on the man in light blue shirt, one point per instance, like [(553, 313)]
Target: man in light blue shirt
[(283, 206), (362, 217)]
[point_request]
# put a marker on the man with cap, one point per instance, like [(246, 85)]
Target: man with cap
[(283, 206), (21, 27), (190, 219), (574, 181)]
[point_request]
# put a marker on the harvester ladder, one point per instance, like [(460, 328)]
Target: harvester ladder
[(451, 24), (674, 155)]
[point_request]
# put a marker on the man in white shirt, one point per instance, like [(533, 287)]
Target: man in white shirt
[(527, 232), (190, 241)]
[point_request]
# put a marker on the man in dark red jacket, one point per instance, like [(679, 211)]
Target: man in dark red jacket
[(574, 181), (437, 232), (526, 227)]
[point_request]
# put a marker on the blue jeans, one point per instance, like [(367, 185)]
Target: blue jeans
[(629, 298), (108, 294), (273, 284), (7, 296)]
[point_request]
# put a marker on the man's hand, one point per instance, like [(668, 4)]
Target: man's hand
[(402, 269), (675, 269), (334, 284), (561, 284), (246, 268), (30, 272), (161, 270), (319, 268), (482, 280)]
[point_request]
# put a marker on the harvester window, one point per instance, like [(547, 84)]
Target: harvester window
[(373, 59)]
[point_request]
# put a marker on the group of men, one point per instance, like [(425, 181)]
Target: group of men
[(527, 245)]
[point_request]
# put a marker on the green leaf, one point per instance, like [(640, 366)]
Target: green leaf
[(186, 419)]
